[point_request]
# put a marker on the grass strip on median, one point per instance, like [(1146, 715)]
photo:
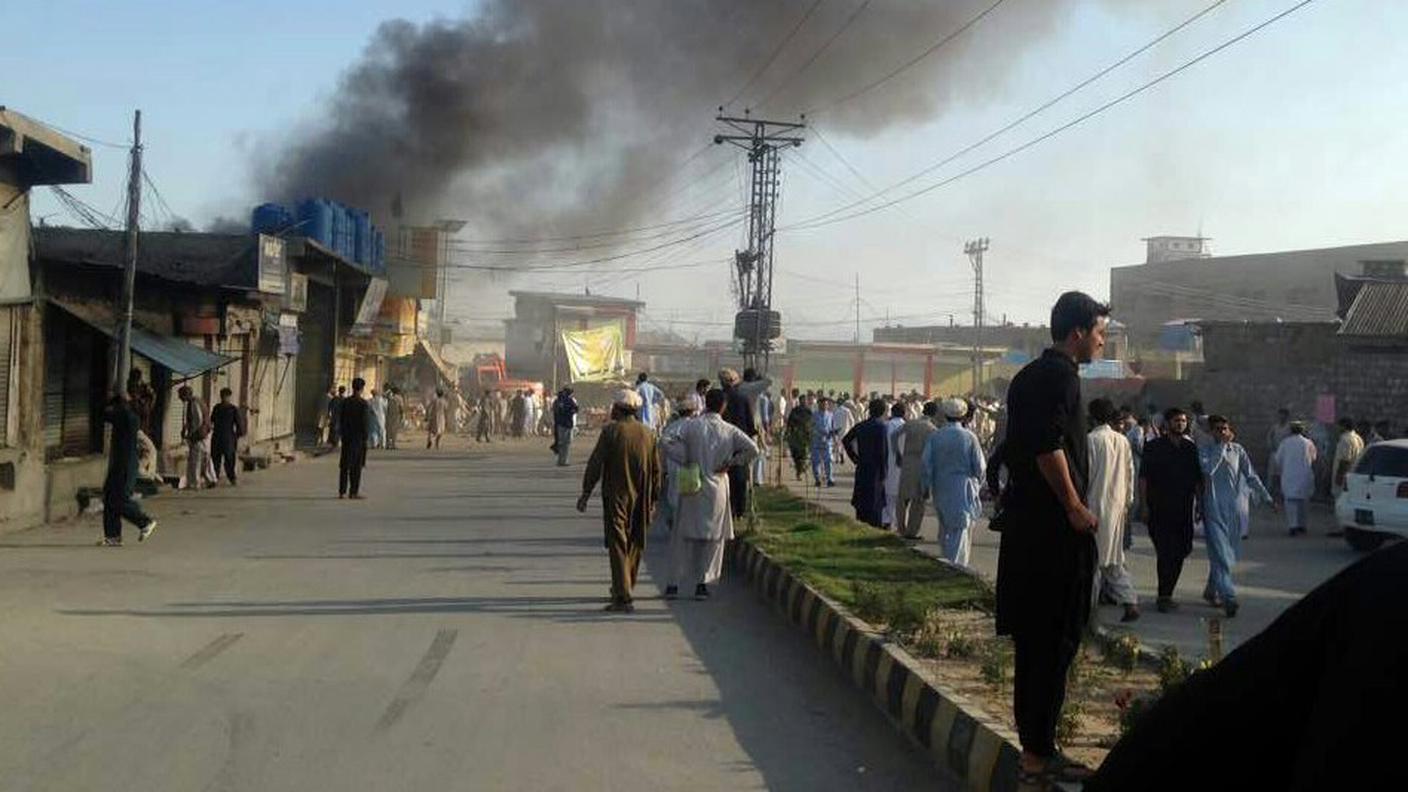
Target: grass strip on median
[(846, 560)]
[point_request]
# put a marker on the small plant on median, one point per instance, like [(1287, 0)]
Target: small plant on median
[(1122, 651), (959, 644), (870, 601), (929, 641), (997, 663), (905, 614), (1069, 724), (1173, 669)]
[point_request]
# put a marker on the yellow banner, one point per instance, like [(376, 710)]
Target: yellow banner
[(595, 355)]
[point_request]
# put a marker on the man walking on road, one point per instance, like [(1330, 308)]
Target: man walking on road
[(705, 519), (1047, 554), (823, 436), (564, 419), (122, 476), (376, 405), (437, 419), (914, 487), (1169, 483), (356, 417), (954, 468), (226, 431), (395, 415), (1347, 451), (1295, 461), (335, 416), (195, 430), (866, 444), (626, 464), (1228, 477), (1110, 496)]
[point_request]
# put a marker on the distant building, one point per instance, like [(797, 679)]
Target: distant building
[(1029, 340), (531, 338), (1289, 286), (1159, 249)]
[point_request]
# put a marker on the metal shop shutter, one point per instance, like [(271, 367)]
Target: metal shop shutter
[(7, 335)]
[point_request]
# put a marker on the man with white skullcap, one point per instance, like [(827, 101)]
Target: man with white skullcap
[(626, 464), (954, 467)]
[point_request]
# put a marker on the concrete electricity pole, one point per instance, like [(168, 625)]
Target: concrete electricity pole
[(975, 249), (756, 324), (122, 360)]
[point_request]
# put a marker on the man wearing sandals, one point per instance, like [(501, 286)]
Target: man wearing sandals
[(1046, 560)]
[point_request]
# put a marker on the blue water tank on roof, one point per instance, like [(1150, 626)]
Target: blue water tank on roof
[(362, 226), (315, 220), (270, 218)]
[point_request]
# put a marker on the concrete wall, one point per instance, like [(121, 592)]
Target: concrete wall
[(1253, 369)]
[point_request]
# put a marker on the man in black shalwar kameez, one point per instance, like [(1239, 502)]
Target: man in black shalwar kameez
[(866, 444)]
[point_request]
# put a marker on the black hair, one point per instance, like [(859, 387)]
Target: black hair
[(877, 408), (897, 410), (931, 408), (226, 392), (1218, 420), (1346, 423), (341, 388), (1174, 412), (642, 377), (1101, 410), (714, 400), (702, 384), (358, 384), (750, 374), (1075, 311)]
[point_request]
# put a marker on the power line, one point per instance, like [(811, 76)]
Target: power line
[(818, 222), (702, 220), (818, 53), (938, 45), (87, 138), (1030, 114), (776, 51)]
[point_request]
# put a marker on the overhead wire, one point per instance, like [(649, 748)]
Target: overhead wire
[(1057, 99), (855, 14), (781, 45), (909, 64), (816, 223)]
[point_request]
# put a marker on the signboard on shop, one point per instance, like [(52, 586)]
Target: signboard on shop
[(296, 298), (272, 277), (369, 307)]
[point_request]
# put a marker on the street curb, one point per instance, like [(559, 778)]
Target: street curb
[(975, 749)]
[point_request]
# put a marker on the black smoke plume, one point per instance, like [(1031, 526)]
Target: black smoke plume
[(558, 116)]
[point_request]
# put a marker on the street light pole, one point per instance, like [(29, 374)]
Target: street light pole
[(122, 361)]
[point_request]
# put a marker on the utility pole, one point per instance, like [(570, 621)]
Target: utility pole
[(756, 323), (975, 250), (122, 361), (857, 339)]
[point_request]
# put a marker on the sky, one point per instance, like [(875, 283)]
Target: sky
[(1289, 139)]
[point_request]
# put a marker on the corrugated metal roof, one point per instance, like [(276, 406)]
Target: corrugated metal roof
[(203, 259), (1380, 309), (184, 360)]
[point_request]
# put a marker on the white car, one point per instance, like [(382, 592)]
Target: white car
[(1374, 505)]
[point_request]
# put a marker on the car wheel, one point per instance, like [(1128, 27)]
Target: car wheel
[(1362, 540)]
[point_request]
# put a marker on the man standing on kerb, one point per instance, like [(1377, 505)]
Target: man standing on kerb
[(1046, 561)]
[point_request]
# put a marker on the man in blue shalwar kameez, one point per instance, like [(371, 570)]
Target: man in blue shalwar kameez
[(954, 467), (1227, 471)]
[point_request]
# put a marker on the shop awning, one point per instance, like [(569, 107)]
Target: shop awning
[(183, 359)]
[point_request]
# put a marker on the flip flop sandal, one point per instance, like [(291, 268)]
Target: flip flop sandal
[(1063, 770)]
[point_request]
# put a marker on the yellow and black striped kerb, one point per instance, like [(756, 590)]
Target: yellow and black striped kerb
[(980, 752)]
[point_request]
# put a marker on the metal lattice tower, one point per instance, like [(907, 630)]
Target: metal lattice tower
[(757, 324), (975, 250)]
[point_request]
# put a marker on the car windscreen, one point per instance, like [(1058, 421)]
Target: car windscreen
[(1381, 460)]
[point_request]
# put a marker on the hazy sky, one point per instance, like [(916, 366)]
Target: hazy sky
[(1289, 139)]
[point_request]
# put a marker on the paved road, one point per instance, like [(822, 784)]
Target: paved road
[(444, 634), (1274, 572)]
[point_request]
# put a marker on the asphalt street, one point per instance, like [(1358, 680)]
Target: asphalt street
[(1274, 571), (445, 633)]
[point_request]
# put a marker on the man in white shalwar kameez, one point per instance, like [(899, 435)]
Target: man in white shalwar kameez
[(845, 418), (1295, 462), (893, 427), (1109, 496), (704, 520), (669, 507)]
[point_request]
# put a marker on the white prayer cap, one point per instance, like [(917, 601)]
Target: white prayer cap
[(954, 407), (627, 398), (692, 403)]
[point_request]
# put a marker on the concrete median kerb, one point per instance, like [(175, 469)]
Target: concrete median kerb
[(957, 735)]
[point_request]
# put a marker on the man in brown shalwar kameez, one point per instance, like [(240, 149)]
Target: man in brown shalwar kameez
[(627, 464)]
